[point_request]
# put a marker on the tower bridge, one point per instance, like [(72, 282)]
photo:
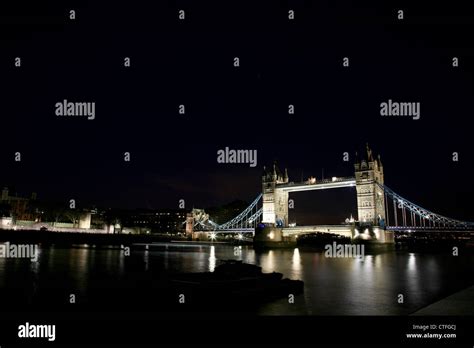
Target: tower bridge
[(369, 176), (380, 211), (370, 201)]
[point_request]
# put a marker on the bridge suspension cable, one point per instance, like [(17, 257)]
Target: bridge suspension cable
[(427, 219), (246, 219)]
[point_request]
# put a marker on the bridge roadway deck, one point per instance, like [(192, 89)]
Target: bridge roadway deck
[(322, 185)]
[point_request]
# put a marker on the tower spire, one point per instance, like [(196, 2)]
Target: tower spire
[(369, 153)]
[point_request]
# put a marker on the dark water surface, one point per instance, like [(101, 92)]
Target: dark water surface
[(333, 286)]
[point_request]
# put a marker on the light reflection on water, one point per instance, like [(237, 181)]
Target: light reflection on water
[(412, 262), (333, 286), (212, 258), (296, 264)]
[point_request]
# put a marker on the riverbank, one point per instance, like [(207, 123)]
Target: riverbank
[(459, 303), (70, 238)]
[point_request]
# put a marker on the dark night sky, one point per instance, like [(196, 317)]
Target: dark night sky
[(174, 62)]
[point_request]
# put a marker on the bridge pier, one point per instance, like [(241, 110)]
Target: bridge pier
[(372, 233), (272, 237)]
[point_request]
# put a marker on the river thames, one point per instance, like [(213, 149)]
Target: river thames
[(332, 286)]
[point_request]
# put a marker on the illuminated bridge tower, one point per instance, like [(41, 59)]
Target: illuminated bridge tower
[(275, 202), (370, 197)]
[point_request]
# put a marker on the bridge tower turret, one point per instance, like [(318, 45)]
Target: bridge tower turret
[(275, 202), (370, 197)]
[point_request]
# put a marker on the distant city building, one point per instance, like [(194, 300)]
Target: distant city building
[(19, 208), (18, 212), (154, 221), (85, 220), (199, 219)]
